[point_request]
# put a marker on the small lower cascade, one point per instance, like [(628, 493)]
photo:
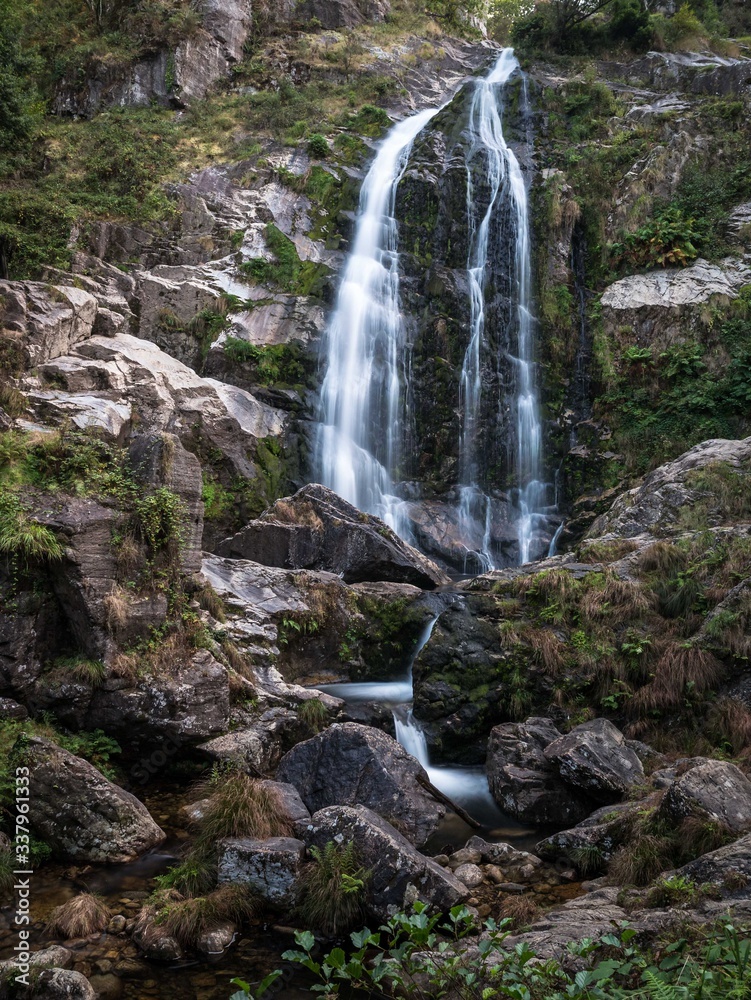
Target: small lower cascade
[(466, 786)]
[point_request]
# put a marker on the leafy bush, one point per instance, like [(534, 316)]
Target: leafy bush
[(423, 956), (286, 272), (318, 146), (666, 240)]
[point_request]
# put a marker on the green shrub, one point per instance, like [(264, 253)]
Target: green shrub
[(318, 146), (313, 714), (22, 538), (431, 956), (332, 892), (666, 240)]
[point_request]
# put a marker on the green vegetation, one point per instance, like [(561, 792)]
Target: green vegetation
[(22, 538), (286, 271), (660, 404), (422, 956), (333, 889), (663, 241), (272, 364), (314, 715)]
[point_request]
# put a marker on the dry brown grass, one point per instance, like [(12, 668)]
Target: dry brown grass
[(80, 917), (606, 552), (618, 601), (129, 556), (520, 910), (549, 650), (729, 723), (681, 665), (188, 919), (210, 601), (641, 860), (116, 607), (239, 806), (237, 660), (662, 558)]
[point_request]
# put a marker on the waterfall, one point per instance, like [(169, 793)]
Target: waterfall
[(503, 179), (364, 419), (362, 398)]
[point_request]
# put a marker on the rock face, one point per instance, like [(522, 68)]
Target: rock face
[(595, 759), (167, 394), (523, 781), (44, 321), (269, 867), (654, 506), (81, 814), (343, 13), (316, 529), (661, 305), (713, 790), (260, 747), (350, 765), (188, 73), (690, 72), (724, 866), (399, 873)]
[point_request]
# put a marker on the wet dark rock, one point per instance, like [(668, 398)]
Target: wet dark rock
[(64, 984), (259, 748), (500, 853), (349, 765), (271, 868), (595, 759), (713, 790), (316, 529), (400, 874), (216, 939), (153, 939), (590, 844), (523, 781), (81, 814)]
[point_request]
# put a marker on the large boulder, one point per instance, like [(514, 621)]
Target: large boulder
[(317, 529), (399, 873), (523, 782), (728, 866), (271, 868), (595, 759), (82, 815), (167, 394), (654, 507), (713, 790), (350, 765), (185, 703), (259, 748)]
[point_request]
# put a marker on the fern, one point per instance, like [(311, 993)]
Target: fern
[(658, 989)]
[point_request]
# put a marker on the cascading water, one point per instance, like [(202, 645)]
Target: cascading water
[(364, 419), (362, 399), (466, 786), (502, 180)]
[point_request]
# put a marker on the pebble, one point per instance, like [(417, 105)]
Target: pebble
[(484, 910), (442, 860), (466, 856), (494, 874), (470, 875), (116, 925), (512, 887)]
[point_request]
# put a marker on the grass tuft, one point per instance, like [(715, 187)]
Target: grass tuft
[(80, 917)]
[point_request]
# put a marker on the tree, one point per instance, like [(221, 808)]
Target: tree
[(17, 97), (569, 13)]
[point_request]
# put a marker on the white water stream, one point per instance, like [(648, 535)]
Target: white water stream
[(467, 786), (364, 419), (362, 399)]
